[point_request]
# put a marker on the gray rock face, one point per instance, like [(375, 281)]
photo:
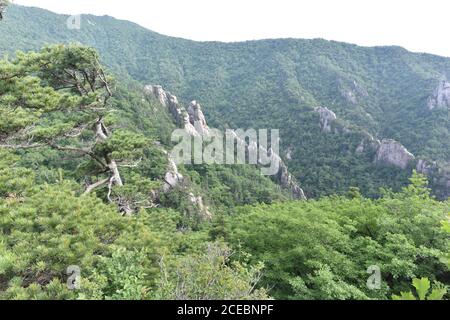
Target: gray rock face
[(326, 118), (289, 153), (158, 93), (426, 167), (178, 112), (393, 153), (198, 203), (441, 96), (361, 147), (285, 179), (192, 120), (197, 118), (172, 177)]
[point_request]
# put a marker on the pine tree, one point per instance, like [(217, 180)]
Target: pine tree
[(58, 98)]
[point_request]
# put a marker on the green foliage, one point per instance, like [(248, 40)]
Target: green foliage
[(43, 234), (126, 274), (228, 186), (46, 228), (14, 180), (446, 228), (324, 285), (210, 276), (423, 287), (322, 249)]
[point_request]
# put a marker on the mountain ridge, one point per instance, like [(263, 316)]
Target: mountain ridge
[(232, 42)]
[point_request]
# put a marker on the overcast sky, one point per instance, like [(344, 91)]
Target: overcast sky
[(418, 25)]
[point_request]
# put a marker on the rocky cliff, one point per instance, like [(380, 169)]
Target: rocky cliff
[(194, 122), (368, 144), (327, 117), (438, 175), (178, 112), (393, 153), (441, 96), (173, 178), (388, 152), (197, 118)]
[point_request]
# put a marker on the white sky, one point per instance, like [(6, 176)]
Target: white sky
[(418, 25)]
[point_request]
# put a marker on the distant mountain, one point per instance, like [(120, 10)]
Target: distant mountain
[(348, 115)]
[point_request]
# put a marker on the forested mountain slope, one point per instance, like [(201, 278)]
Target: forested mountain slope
[(386, 92), (92, 205)]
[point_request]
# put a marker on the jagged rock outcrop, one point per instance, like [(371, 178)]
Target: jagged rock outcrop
[(361, 147), (352, 91), (393, 153), (426, 167), (389, 152), (438, 176), (158, 92), (284, 178), (288, 182), (327, 117), (441, 96), (194, 122), (172, 177), (203, 210), (289, 153), (178, 112), (369, 143), (197, 118)]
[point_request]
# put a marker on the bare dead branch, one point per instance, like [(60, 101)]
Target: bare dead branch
[(95, 185), (21, 146), (111, 181)]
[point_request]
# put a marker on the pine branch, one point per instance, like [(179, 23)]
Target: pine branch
[(87, 152)]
